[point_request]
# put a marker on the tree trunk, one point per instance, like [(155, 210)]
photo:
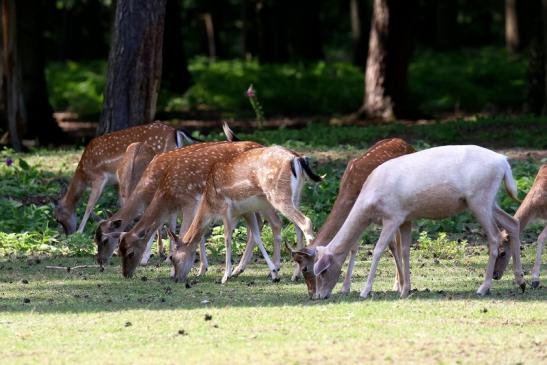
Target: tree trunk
[(134, 65), (175, 75), (512, 38), (390, 46), (359, 31), (446, 12), (536, 61), (304, 30)]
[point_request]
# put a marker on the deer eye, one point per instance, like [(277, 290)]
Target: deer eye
[(305, 269)]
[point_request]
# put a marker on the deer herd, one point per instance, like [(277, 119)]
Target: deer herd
[(165, 176)]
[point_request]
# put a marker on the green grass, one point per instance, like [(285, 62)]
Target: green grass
[(468, 80), (91, 317), (87, 316)]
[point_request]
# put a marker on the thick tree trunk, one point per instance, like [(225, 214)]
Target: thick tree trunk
[(390, 46), (175, 75), (512, 37), (134, 65)]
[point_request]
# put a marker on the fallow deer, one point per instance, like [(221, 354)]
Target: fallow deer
[(108, 231), (253, 181), (178, 189), (351, 183), (435, 183), (100, 161), (534, 206)]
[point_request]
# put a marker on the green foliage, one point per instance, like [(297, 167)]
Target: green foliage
[(441, 247), (76, 87), (467, 80)]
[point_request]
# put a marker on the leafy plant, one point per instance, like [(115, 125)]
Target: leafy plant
[(441, 247)]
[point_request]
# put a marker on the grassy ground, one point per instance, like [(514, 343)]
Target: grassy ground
[(88, 316), (92, 317)]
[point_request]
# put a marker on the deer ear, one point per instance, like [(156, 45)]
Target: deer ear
[(116, 223), (308, 251), (323, 264)]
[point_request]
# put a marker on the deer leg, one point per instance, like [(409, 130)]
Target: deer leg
[(539, 250), (252, 222), (484, 215), (228, 232), (388, 231), (276, 225), (396, 251), (247, 254), (187, 218), (512, 227), (96, 191), (161, 249), (147, 251), (405, 233), (346, 287)]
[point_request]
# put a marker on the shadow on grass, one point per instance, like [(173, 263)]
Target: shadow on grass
[(27, 286)]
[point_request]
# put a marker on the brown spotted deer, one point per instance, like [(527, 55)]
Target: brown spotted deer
[(534, 206), (108, 231), (351, 183), (435, 183), (100, 162), (256, 180), (178, 190)]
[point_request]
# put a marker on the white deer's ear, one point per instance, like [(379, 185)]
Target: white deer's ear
[(323, 263)]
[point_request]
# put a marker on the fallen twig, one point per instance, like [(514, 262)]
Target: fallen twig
[(69, 269)]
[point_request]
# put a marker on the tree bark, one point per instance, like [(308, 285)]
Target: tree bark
[(13, 73), (134, 65), (390, 47), (175, 75), (536, 61), (446, 12), (304, 30), (512, 37), (359, 31)]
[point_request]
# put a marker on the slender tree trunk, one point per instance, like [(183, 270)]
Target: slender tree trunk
[(512, 37), (536, 61), (446, 12), (175, 75), (209, 31), (305, 30), (359, 31), (14, 101), (134, 65), (390, 46)]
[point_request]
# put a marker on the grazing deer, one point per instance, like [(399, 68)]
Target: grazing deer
[(351, 183), (253, 181), (534, 206), (179, 189), (108, 231), (99, 164), (435, 183)]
